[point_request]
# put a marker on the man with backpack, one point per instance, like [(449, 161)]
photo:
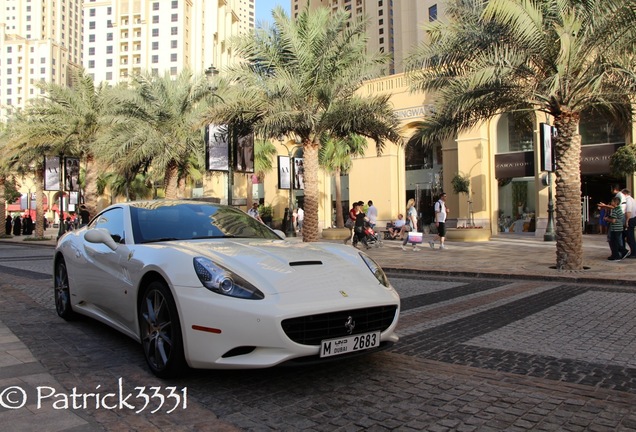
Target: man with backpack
[(440, 221)]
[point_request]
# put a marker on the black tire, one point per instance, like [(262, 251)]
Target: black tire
[(160, 331), (62, 292)]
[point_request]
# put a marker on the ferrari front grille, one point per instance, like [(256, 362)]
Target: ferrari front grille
[(311, 329)]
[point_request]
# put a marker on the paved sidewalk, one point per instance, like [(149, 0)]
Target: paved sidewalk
[(504, 255)]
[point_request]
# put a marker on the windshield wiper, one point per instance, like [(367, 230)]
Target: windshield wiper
[(161, 240)]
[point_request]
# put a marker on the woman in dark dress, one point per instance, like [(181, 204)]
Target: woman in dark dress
[(7, 225), (17, 226)]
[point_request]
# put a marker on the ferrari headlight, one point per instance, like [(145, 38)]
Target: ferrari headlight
[(222, 281), (376, 270)]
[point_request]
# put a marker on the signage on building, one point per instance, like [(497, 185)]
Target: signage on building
[(595, 159), (516, 164), (415, 112)]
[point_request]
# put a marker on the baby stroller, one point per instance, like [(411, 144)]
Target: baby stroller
[(367, 236)]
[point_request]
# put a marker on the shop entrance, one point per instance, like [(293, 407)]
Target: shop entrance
[(595, 189)]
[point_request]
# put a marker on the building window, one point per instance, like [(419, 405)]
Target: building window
[(173, 57), (91, 38), (174, 17), (155, 59), (173, 70), (173, 44), (91, 51), (109, 62), (91, 12), (155, 19), (174, 31), (91, 64), (381, 22), (109, 49), (432, 13), (109, 36), (155, 6), (175, 4), (155, 46), (109, 76), (155, 32), (91, 25), (109, 10)]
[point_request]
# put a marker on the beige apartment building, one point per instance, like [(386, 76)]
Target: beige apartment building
[(40, 40), (127, 37), (394, 26)]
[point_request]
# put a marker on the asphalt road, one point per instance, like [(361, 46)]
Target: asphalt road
[(474, 354)]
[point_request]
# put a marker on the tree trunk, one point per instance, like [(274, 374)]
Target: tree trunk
[(39, 202), (248, 190), (338, 187), (569, 231), (310, 223), (3, 202), (90, 185), (170, 181)]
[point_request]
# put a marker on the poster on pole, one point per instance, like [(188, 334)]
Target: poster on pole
[(71, 174), (217, 148), (52, 173), (284, 175), (244, 153), (547, 154), (299, 173)]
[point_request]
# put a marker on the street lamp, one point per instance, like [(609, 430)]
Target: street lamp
[(550, 235), (291, 232)]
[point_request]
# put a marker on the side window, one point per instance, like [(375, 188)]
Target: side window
[(113, 221)]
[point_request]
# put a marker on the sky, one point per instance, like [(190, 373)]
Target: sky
[(264, 8)]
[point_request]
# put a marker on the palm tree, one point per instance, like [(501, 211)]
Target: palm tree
[(299, 80), (335, 157), (71, 115), (157, 124), (553, 56)]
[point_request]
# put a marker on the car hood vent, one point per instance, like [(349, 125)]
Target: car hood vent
[(304, 263)]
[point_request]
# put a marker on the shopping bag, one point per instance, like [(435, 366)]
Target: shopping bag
[(415, 237)]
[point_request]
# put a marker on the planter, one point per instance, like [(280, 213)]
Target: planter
[(336, 233), (468, 234)]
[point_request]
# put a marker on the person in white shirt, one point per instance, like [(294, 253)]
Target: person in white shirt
[(440, 221), (254, 212), (300, 217), (372, 214), (630, 221), (396, 229)]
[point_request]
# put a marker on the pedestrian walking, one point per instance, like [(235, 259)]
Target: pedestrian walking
[(440, 221), (411, 223), (616, 221), (630, 222)]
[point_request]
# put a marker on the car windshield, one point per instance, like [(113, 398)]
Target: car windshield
[(183, 220)]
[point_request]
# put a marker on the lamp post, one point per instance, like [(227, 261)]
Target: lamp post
[(291, 232), (550, 235)]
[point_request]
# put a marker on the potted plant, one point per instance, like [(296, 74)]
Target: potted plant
[(266, 212)]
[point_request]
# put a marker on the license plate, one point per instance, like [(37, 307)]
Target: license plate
[(349, 344)]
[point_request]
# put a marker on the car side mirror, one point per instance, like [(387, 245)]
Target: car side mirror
[(100, 235), (280, 234)]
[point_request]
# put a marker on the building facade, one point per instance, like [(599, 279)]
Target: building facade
[(394, 26), (501, 158), (127, 37), (40, 40)]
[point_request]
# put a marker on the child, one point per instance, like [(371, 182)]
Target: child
[(616, 221)]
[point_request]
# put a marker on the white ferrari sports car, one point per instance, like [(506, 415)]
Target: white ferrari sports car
[(207, 286)]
